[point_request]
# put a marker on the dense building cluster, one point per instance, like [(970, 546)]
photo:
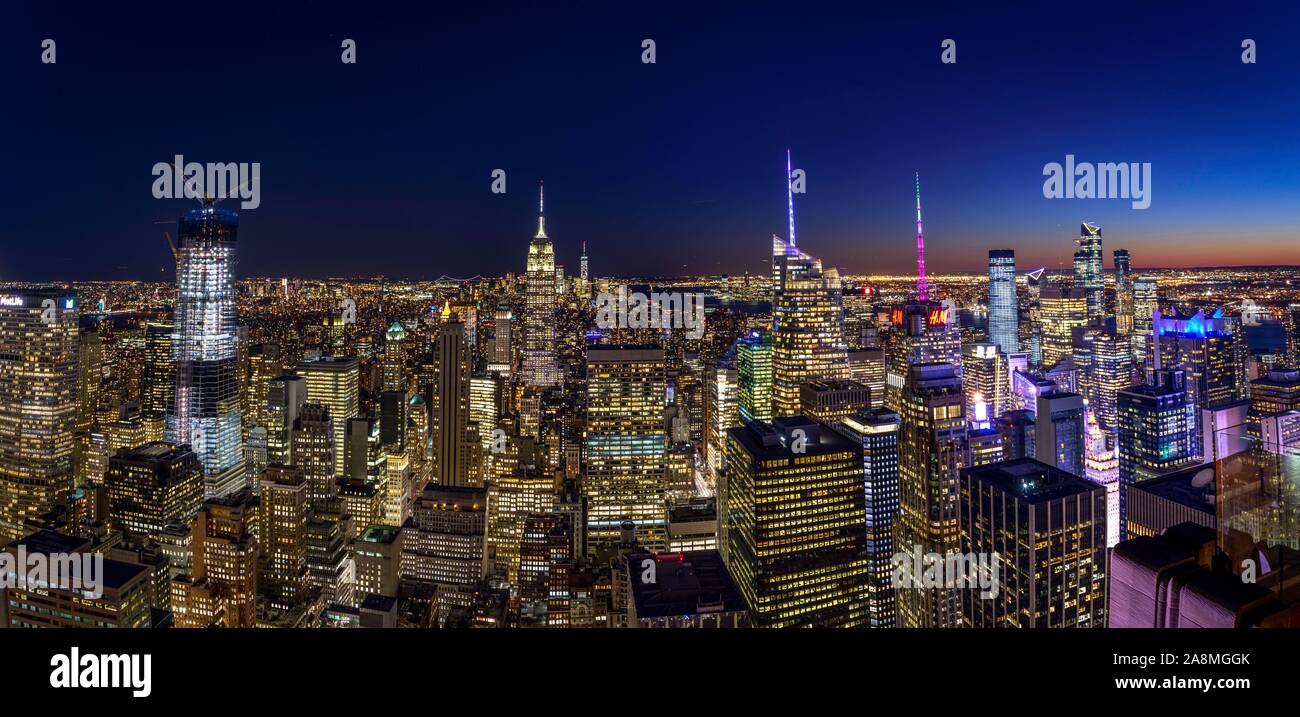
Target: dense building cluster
[(1084, 448)]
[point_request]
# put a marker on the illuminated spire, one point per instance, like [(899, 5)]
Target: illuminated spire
[(789, 193), (541, 211), (922, 293)]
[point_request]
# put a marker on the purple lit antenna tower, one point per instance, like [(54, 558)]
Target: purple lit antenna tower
[(922, 293)]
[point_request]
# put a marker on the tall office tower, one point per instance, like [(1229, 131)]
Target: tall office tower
[(535, 555), (1275, 392), (510, 500), (807, 321), (1004, 310), (335, 382), (396, 377), (831, 400), (330, 567), (89, 362), (1123, 292), (626, 443), (1034, 286), (366, 459), (1088, 272), (394, 401), (453, 451), (38, 403), (754, 376), (1018, 434), (1101, 466), (540, 366), (1146, 300), (1061, 310), (1061, 426), (720, 415), (378, 557), (808, 329), (868, 366), (263, 365), (797, 540), (445, 542), (204, 410), (876, 430), (1108, 371), (284, 510), (1205, 349), (221, 588), (582, 264), (313, 450), (151, 486), (363, 503), (1054, 524), (860, 318), (1291, 324), (285, 397), (925, 333), (986, 380), (485, 391), (398, 484), (158, 381), (502, 350), (1153, 432), (932, 451)]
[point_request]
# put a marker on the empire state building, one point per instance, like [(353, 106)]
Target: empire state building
[(540, 367)]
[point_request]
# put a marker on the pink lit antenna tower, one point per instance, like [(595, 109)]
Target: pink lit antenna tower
[(922, 293)]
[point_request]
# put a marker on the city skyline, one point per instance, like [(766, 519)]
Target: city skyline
[(961, 426), (650, 174)]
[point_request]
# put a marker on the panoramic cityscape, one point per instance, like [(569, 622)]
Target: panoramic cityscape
[(560, 448), (422, 365)]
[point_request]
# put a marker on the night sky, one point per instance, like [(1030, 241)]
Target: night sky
[(383, 167)]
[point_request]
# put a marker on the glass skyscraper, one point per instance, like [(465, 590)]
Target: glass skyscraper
[(1088, 269), (38, 403), (1003, 312), (204, 409), (1123, 292)]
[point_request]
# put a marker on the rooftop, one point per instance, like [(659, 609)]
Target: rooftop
[(686, 584), (1034, 481)]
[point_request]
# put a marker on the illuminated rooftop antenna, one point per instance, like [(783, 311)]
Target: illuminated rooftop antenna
[(789, 193), (541, 210), (922, 293)]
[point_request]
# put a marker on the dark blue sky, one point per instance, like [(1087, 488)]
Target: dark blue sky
[(384, 166)]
